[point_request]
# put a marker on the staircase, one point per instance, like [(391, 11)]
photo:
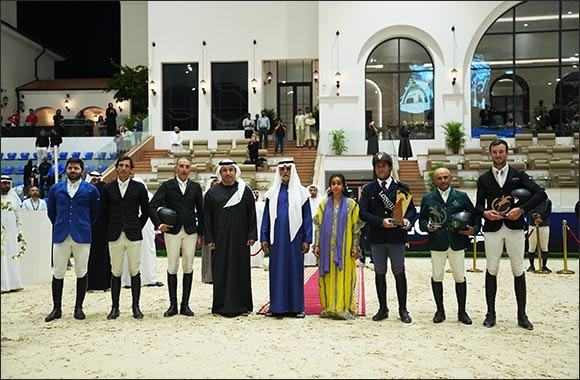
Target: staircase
[(410, 174), (303, 157), (143, 164)]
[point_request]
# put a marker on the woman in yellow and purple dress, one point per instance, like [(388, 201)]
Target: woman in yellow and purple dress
[(337, 230)]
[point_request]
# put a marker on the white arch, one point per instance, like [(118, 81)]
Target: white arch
[(380, 107)]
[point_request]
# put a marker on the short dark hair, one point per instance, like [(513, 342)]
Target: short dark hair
[(125, 158), (75, 160), (497, 142)]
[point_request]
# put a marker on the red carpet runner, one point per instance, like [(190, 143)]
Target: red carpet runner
[(312, 299)]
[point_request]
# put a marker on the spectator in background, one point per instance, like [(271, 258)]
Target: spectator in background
[(540, 217), (206, 275), (58, 120), (263, 128), (27, 173), (43, 179), (42, 143), (253, 150), (299, 125), (315, 198), (310, 132), (31, 118), (372, 137), (33, 202), (111, 120), (405, 150), (280, 133), (176, 140), (256, 122), (248, 125), (102, 126), (55, 139), (14, 118), (484, 116)]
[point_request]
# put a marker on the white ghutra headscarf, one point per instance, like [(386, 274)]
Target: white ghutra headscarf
[(297, 195), (237, 197)]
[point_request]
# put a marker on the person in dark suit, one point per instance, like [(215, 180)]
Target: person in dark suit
[(185, 197), (445, 242), (73, 207), (505, 225), (99, 269), (386, 236), (121, 202)]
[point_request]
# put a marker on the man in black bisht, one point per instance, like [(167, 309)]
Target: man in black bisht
[(230, 230)]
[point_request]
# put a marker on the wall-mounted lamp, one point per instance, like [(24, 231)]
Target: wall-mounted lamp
[(269, 74), (254, 83), (454, 70), (119, 106), (315, 75), (152, 87), (21, 106), (67, 103), (453, 76), (337, 75), (4, 98), (202, 82)]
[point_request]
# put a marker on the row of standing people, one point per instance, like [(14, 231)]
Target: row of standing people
[(286, 231)]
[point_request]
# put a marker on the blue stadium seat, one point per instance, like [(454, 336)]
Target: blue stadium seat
[(76, 154), (20, 170), (113, 155), (7, 170), (62, 155), (35, 156), (88, 155), (102, 168), (19, 183), (24, 155), (1, 155), (102, 155), (49, 155), (89, 168), (11, 156)]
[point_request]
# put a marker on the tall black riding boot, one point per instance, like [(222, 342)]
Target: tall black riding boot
[(82, 283), (184, 309), (401, 284), (532, 257), (136, 294), (56, 312), (544, 261), (461, 293), (490, 292), (115, 294), (381, 285), (172, 287), (520, 288), (438, 295)]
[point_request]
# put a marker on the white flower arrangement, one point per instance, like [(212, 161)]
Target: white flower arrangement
[(7, 207)]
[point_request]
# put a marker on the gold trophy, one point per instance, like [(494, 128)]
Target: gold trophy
[(437, 217), (401, 205), (502, 205)]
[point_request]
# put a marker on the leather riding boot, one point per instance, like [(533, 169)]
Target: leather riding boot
[(461, 293), (544, 261), (490, 292), (438, 295), (115, 294), (172, 287), (56, 312), (82, 283), (401, 284), (381, 285), (532, 257), (187, 281), (520, 288), (136, 294)]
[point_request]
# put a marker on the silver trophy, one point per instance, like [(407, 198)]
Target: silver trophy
[(437, 217)]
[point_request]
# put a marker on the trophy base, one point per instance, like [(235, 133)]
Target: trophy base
[(475, 270), (399, 223), (542, 272), (565, 271)]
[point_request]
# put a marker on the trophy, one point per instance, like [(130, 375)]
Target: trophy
[(502, 205), (403, 199), (437, 217)]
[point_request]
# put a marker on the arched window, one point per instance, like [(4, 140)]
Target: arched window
[(399, 86), (518, 69)]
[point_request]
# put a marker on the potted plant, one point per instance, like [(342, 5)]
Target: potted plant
[(454, 135), (338, 143)]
